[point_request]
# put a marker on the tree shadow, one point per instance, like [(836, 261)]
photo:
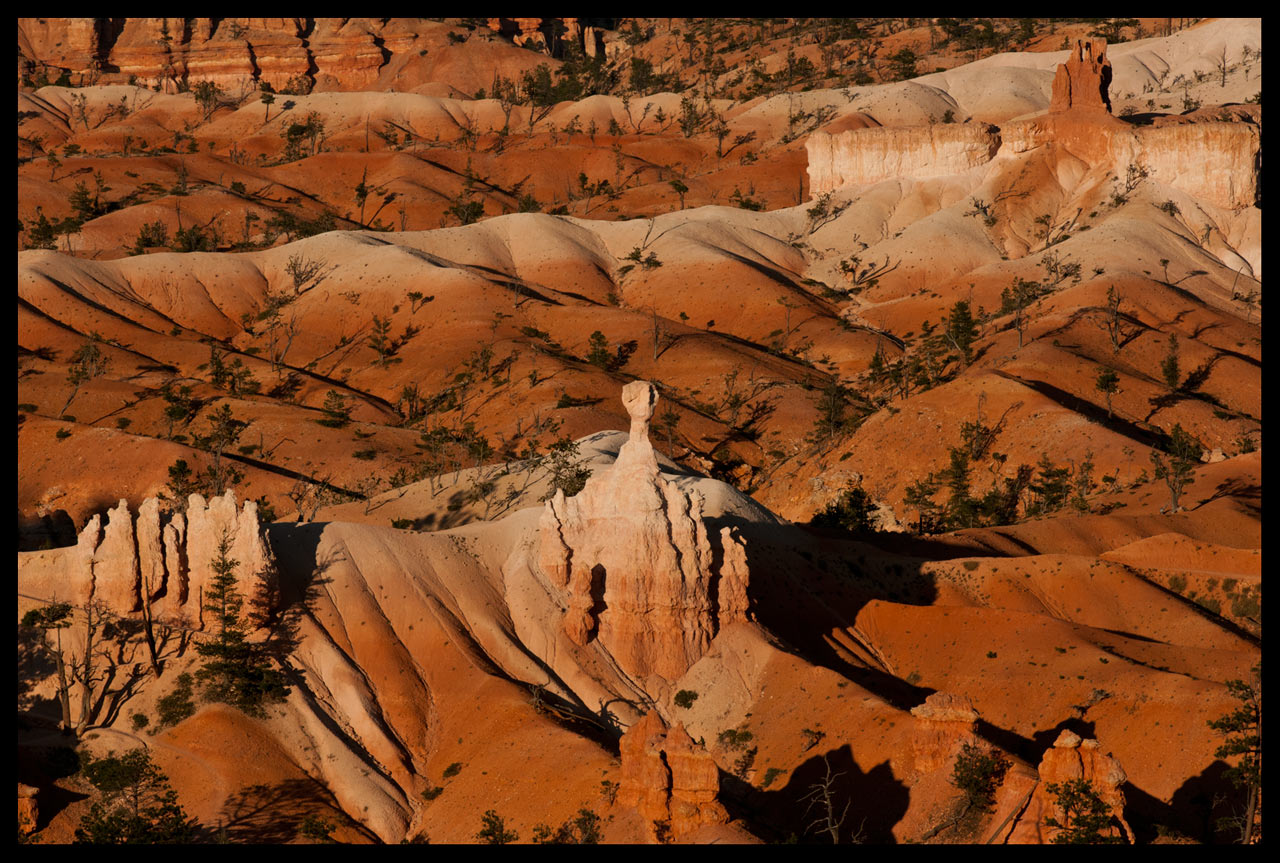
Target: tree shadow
[(876, 801), (272, 814), (1193, 810)]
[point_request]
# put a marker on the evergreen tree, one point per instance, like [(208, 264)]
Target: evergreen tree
[(919, 496), (236, 671), (1051, 487), (1243, 728), (1107, 383), (1084, 815), (962, 510), (1169, 368), (962, 330), (137, 807), (1175, 468)]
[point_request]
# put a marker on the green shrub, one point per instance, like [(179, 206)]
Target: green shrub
[(1084, 814), (734, 738), (452, 770), (177, 705), (977, 773), (685, 698)]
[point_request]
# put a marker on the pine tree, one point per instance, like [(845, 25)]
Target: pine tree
[(962, 330), (1107, 383), (137, 806), (1084, 815), (962, 511), (1243, 728), (1169, 367), (236, 671)]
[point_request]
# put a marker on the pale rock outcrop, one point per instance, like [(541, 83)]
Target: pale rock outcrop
[(666, 777), (1082, 82), (208, 524), (734, 606), (1071, 758), (631, 556), (1217, 162), (115, 562), (173, 558), (27, 811), (151, 569), (865, 156), (80, 575), (943, 725)]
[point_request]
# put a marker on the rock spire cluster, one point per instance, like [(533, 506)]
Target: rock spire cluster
[(165, 558), (1083, 81), (633, 564), (668, 778)]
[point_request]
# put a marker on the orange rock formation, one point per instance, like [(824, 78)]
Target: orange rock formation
[(1082, 82), (1071, 757), (668, 778)]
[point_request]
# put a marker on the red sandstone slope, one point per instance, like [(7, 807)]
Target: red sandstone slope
[(493, 633)]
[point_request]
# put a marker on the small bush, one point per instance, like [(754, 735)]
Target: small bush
[(431, 792), (402, 523), (177, 705), (734, 738), (685, 698), (365, 454), (978, 773), (139, 721), (452, 770), (62, 434)]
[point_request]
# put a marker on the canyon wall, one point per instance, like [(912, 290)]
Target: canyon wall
[(865, 156)]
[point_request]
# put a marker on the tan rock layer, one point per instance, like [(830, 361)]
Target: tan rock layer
[(943, 725), (1217, 162)]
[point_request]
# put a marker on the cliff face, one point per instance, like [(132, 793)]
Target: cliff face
[(296, 53), (864, 156), (1068, 759), (242, 53)]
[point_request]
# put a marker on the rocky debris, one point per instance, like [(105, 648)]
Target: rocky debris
[(632, 562), (27, 811), (170, 560), (1071, 757), (944, 724), (668, 778), (1082, 82)]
